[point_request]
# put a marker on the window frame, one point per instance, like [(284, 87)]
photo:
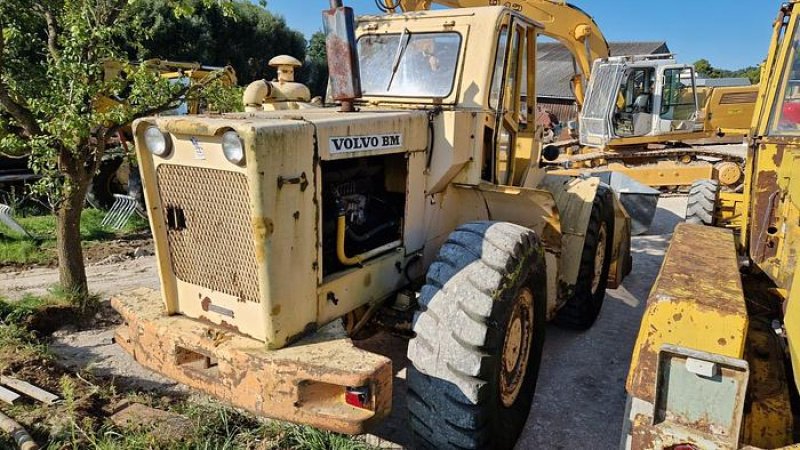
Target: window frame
[(789, 58), (456, 67)]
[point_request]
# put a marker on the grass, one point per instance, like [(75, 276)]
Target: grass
[(16, 249), (81, 421)]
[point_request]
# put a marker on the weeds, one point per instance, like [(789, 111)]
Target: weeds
[(82, 421)]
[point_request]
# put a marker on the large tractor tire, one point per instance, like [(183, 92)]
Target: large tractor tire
[(479, 335), (581, 309), (702, 202)]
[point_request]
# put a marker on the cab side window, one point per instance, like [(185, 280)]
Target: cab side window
[(508, 97)]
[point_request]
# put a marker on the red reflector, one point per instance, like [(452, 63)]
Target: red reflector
[(357, 396)]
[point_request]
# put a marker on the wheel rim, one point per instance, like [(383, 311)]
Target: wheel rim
[(599, 258), (516, 348)]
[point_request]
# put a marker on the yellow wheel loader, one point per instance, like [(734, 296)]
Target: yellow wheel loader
[(716, 362), (421, 204)]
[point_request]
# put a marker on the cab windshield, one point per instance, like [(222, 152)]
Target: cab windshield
[(786, 116), (408, 64)]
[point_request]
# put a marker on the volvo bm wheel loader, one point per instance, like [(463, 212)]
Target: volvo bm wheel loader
[(716, 364), (421, 203)]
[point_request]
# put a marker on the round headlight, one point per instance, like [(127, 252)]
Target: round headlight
[(233, 148), (156, 141)]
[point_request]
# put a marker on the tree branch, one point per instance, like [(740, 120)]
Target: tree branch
[(52, 34), (186, 91), (115, 8), (19, 112)]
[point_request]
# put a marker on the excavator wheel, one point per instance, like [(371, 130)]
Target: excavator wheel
[(702, 202), (475, 357), (581, 310)]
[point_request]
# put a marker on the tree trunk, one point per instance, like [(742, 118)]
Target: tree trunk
[(71, 268)]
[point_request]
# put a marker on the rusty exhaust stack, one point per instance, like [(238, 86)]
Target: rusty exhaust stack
[(340, 28)]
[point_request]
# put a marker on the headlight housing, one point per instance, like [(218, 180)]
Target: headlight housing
[(157, 142), (233, 147)]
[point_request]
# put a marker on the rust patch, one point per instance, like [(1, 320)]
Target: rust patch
[(722, 341), (262, 230), (777, 158), (367, 279), (677, 317), (205, 304), (765, 202), (246, 375), (276, 310)]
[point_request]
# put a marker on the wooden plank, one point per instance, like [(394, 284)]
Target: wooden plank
[(29, 390), (8, 396)]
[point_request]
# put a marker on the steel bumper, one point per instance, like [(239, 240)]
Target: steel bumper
[(303, 383)]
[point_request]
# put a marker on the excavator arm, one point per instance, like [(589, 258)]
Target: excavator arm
[(563, 22)]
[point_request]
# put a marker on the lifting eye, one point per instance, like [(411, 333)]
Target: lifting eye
[(176, 219)]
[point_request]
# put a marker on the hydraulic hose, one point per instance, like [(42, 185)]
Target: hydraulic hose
[(341, 254)]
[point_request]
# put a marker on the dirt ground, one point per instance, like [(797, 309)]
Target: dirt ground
[(113, 273), (580, 397)]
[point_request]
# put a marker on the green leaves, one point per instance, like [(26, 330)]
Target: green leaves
[(704, 69)]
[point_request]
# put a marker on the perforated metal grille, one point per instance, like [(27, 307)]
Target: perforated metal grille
[(209, 229), (601, 94)]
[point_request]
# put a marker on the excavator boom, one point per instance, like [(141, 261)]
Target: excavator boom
[(561, 21)]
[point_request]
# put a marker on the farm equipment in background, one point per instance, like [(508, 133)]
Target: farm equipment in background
[(423, 206), (716, 363), (115, 175)]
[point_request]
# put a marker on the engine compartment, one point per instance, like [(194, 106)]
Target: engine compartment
[(370, 192)]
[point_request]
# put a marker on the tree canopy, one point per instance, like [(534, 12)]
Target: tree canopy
[(704, 69), (246, 38), (315, 71)]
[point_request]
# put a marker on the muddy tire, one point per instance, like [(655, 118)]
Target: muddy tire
[(582, 308), (702, 202), (479, 334)]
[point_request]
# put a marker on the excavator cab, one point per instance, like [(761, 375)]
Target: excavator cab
[(636, 96)]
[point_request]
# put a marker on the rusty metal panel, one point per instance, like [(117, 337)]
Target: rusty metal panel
[(701, 391), (696, 302), (700, 400), (202, 250), (303, 383), (339, 24)]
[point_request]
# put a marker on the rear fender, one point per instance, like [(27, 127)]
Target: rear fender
[(574, 197)]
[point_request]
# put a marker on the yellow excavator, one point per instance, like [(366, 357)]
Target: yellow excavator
[(716, 363), (115, 176), (640, 115)]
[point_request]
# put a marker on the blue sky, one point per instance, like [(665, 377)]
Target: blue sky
[(730, 34)]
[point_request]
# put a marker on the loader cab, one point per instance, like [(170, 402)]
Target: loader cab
[(630, 97), (509, 138), (477, 62)]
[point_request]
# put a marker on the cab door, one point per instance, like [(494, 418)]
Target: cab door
[(512, 96), (676, 109)]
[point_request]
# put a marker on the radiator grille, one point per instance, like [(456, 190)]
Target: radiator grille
[(209, 229)]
